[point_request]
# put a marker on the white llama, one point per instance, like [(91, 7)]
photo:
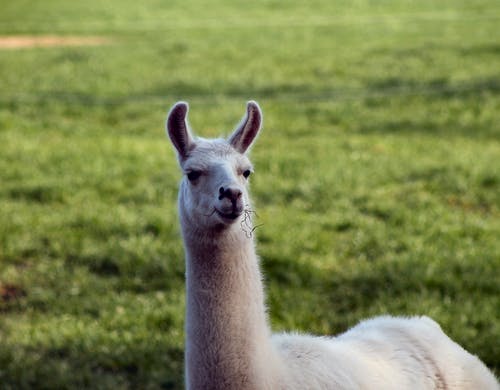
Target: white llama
[(228, 340)]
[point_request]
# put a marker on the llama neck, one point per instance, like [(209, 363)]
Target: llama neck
[(227, 335)]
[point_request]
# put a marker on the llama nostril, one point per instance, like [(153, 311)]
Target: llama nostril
[(233, 194)]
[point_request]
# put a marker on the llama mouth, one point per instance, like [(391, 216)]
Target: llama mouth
[(229, 216)]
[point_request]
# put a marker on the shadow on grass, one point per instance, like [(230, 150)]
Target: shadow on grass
[(391, 87), (428, 127), (427, 51), (140, 367)]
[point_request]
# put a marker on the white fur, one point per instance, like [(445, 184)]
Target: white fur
[(228, 340)]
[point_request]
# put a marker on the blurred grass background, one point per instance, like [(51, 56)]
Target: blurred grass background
[(377, 175)]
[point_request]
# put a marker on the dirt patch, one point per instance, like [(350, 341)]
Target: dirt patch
[(11, 292), (26, 41)]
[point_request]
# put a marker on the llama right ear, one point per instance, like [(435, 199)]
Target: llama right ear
[(178, 130), (245, 133)]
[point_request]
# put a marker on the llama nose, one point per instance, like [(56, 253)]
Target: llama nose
[(231, 193)]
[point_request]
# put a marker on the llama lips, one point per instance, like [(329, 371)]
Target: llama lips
[(229, 216)]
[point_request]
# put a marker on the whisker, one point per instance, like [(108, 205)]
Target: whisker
[(246, 224)]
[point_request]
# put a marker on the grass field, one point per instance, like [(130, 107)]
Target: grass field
[(377, 174)]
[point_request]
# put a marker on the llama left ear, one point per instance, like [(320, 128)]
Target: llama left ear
[(245, 134), (178, 130)]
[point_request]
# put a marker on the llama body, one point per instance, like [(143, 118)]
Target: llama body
[(229, 344)]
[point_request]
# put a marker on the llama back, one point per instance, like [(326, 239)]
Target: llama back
[(384, 353), (423, 351)]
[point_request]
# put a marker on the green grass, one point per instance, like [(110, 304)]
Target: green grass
[(377, 175)]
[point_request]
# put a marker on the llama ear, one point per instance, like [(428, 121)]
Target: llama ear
[(247, 130), (178, 130)]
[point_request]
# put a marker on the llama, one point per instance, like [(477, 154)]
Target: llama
[(229, 344)]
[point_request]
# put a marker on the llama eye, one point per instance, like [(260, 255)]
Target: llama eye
[(247, 173), (193, 175)]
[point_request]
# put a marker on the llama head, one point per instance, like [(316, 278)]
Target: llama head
[(213, 191)]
